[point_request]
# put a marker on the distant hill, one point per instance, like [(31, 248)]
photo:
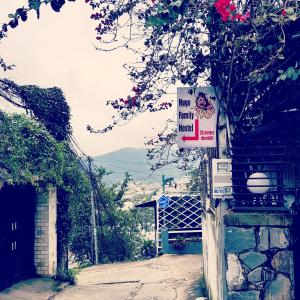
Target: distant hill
[(133, 161)]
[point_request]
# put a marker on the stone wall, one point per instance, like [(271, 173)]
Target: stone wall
[(45, 244), (259, 257)]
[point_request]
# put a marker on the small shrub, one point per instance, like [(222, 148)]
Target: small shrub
[(68, 276), (148, 249)]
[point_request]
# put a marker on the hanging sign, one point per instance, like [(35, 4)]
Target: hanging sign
[(163, 201), (196, 117)]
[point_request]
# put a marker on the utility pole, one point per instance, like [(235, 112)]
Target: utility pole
[(93, 212)]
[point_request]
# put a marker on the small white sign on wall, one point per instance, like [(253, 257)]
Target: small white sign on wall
[(221, 178)]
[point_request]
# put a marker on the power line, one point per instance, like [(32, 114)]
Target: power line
[(122, 161), (99, 160)]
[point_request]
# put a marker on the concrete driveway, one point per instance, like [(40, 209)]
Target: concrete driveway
[(169, 277)]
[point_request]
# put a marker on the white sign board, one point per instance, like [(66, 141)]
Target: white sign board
[(221, 178), (196, 117)]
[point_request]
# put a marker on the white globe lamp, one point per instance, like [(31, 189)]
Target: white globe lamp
[(258, 183)]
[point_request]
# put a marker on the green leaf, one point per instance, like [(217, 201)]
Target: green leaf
[(12, 16), (290, 71), (176, 3), (155, 21), (280, 39), (259, 48), (161, 9), (293, 17), (295, 76), (290, 11), (266, 76), (173, 15), (282, 77), (35, 4)]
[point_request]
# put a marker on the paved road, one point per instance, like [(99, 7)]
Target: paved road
[(32, 289), (169, 277)]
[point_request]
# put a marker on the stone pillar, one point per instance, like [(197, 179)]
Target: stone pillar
[(259, 256), (45, 244)]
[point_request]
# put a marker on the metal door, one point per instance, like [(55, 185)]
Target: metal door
[(297, 251), (16, 234)]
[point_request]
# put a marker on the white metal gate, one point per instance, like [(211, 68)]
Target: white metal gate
[(181, 217)]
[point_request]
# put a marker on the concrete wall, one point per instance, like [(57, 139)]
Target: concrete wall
[(210, 254), (45, 244), (213, 252)]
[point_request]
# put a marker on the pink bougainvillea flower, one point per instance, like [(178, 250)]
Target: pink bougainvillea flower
[(238, 17), (232, 7), (243, 19), (283, 12), (228, 11), (247, 15)]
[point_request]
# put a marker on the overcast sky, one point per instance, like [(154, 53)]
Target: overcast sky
[(58, 50)]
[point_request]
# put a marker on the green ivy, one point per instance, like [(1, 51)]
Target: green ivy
[(29, 154), (35, 149), (48, 106)]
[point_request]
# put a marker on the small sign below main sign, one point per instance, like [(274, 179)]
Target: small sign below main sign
[(197, 111), (163, 202), (221, 178)]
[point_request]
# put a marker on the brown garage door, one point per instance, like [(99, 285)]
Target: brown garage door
[(16, 234)]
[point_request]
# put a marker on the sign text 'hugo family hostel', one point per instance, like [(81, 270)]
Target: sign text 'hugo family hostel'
[(196, 117)]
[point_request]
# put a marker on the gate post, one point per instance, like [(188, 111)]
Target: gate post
[(165, 241), (45, 244)]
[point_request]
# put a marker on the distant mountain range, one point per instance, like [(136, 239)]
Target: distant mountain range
[(133, 161)]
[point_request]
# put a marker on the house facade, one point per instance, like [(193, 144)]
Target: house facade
[(251, 237)]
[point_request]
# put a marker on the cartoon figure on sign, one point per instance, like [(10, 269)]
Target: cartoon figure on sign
[(204, 107)]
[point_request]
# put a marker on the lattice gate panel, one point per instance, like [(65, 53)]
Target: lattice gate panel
[(183, 212), (182, 217)]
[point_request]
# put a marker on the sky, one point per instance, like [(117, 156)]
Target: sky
[(58, 50)]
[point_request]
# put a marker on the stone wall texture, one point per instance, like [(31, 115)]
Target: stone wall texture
[(259, 260)]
